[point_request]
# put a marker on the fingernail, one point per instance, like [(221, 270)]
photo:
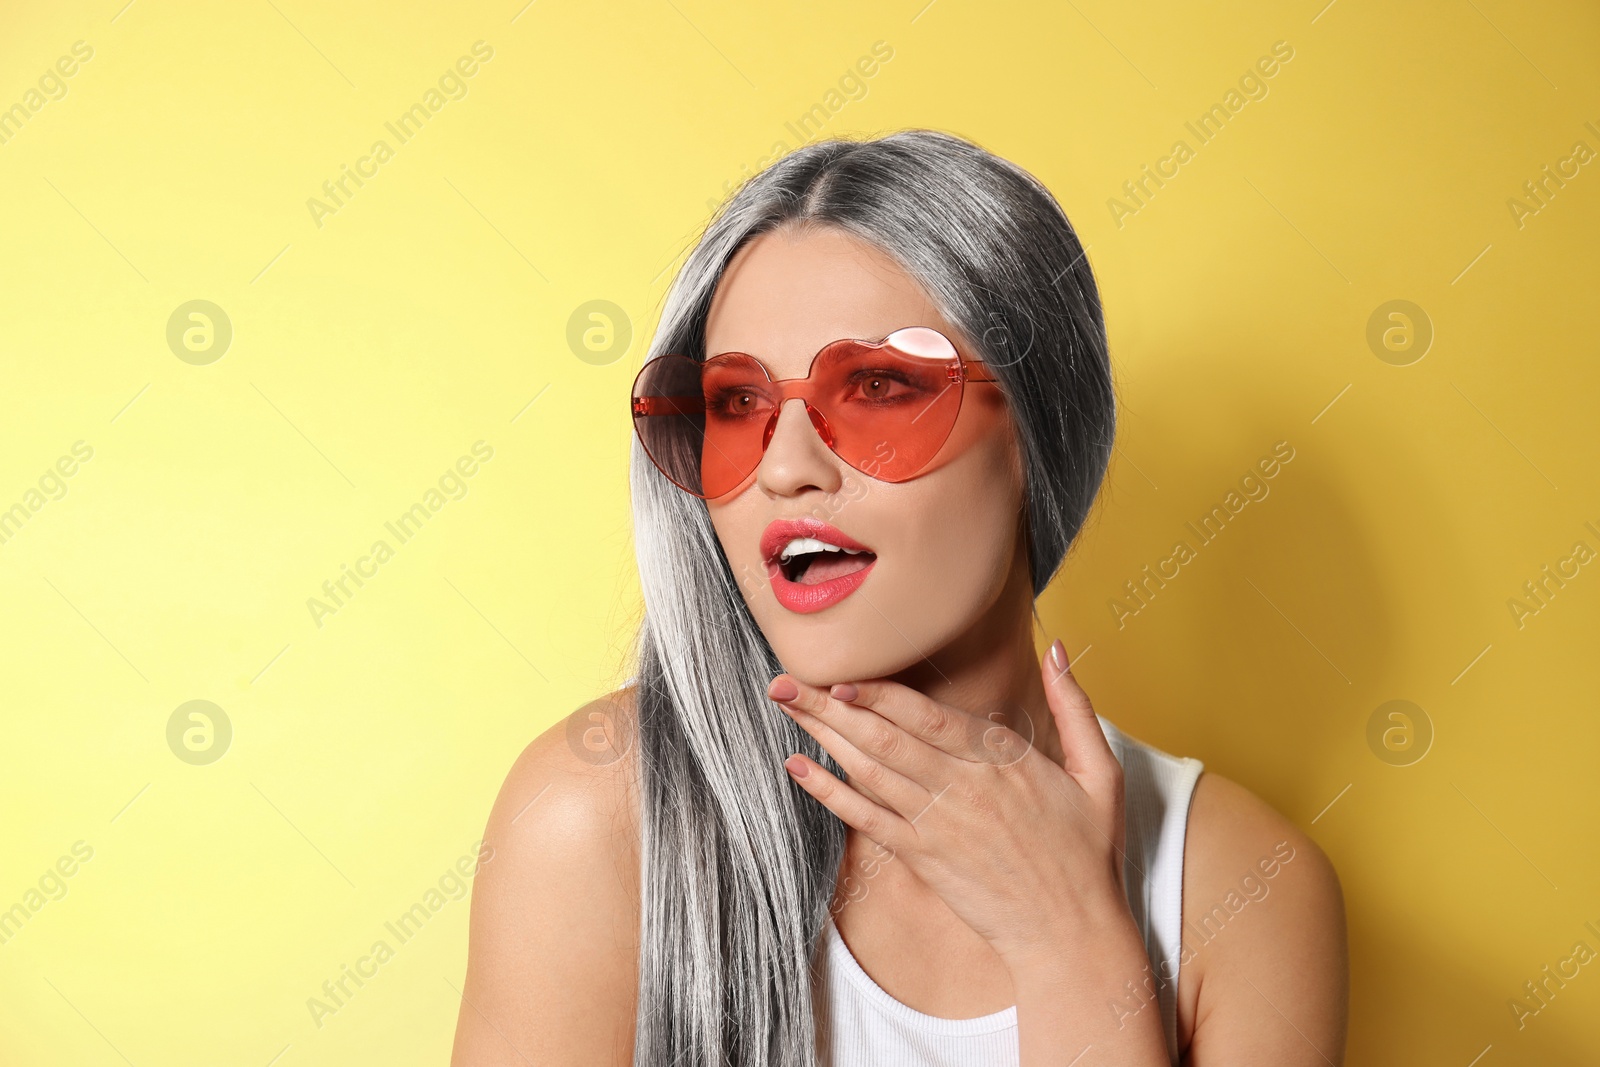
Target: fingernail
[(783, 688), (844, 691), (1058, 655), (796, 766)]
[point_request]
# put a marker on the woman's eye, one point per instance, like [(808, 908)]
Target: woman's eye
[(877, 385), (734, 403)]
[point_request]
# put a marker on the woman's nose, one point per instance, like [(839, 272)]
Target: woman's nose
[(797, 458)]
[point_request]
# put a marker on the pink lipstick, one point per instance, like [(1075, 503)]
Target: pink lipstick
[(814, 577)]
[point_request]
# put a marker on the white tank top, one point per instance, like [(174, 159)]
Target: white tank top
[(863, 1026)]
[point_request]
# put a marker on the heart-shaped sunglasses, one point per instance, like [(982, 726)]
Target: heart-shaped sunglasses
[(884, 407)]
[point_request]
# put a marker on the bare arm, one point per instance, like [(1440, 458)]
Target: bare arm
[(552, 954), (1265, 977)]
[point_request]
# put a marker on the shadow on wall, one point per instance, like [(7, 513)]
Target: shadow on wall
[(1266, 653)]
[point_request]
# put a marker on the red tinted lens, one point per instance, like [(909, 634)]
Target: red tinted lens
[(891, 407), (702, 424), (740, 401)]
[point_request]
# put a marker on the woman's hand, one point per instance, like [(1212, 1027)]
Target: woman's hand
[(1027, 851)]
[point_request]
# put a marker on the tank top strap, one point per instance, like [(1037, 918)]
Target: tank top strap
[(1157, 788)]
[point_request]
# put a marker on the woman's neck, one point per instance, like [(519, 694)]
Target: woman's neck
[(992, 670)]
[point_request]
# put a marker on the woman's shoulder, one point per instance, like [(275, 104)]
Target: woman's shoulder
[(574, 782), (1221, 824), (588, 749), (1259, 898), (552, 950), (1239, 852), (569, 799)]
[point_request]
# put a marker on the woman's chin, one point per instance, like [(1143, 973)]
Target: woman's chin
[(823, 667), (823, 671)]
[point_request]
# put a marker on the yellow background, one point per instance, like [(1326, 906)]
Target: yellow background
[(428, 312)]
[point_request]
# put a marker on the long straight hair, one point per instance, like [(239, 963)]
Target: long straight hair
[(738, 865)]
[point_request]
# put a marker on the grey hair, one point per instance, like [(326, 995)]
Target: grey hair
[(738, 865)]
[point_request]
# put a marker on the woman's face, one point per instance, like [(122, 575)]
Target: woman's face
[(943, 545)]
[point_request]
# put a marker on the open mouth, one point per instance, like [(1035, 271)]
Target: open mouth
[(810, 562), (813, 565)]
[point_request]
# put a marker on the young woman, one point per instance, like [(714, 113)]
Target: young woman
[(844, 814)]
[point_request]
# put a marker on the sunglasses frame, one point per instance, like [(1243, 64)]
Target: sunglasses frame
[(960, 370)]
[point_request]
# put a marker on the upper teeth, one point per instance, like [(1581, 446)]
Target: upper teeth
[(801, 545)]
